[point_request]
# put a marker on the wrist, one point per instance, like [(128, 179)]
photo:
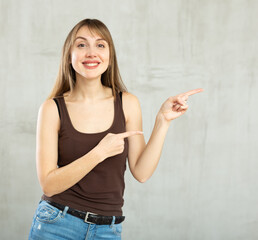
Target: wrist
[(161, 125), (162, 121), (98, 155)]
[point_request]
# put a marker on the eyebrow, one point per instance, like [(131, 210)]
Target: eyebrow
[(99, 39)]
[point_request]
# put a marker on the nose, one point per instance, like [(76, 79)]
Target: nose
[(90, 52)]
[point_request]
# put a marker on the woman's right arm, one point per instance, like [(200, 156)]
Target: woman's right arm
[(54, 180)]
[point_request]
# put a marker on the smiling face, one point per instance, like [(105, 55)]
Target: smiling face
[(89, 54)]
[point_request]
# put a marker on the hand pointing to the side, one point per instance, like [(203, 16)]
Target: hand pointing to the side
[(176, 106), (113, 144)]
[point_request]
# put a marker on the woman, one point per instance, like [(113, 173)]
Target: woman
[(86, 129)]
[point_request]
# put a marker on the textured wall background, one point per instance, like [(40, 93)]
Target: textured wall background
[(205, 187)]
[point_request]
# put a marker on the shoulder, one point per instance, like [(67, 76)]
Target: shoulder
[(48, 113), (48, 107), (131, 104), (129, 98)]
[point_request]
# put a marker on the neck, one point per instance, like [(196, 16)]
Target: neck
[(88, 90)]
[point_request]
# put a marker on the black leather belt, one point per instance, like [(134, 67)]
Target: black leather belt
[(88, 216)]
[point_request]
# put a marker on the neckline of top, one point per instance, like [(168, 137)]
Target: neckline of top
[(83, 133)]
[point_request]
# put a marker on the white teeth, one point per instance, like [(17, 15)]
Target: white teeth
[(91, 64)]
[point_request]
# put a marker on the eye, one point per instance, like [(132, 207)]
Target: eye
[(101, 45), (81, 45)]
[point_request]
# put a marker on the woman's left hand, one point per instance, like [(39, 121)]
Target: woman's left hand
[(176, 106)]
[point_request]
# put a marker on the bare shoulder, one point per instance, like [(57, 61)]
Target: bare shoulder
[(48, 113), (129, 98), (48, 107), (131, 105)]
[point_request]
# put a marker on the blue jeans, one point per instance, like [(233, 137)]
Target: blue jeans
[(50, 223)]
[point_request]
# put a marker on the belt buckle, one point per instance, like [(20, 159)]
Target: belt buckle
[(87, 215)]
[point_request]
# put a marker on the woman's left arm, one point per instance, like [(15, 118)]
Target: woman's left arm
[(143, 158)]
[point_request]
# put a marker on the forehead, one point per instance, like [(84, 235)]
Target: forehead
[(87, 33)]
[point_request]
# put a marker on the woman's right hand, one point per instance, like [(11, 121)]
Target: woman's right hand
[(113, 144)]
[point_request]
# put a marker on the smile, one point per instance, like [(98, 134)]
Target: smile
[(90, 65)]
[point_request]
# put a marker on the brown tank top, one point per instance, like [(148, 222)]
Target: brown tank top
[(101, 190)]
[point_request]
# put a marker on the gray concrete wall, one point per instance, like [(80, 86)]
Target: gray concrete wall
[(205, 187)]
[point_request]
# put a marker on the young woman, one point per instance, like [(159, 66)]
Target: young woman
[(86, 129)]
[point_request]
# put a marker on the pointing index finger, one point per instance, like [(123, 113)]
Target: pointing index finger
[(189, 93), (129, 133)]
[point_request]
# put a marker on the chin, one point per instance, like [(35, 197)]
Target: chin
[(90, 77)]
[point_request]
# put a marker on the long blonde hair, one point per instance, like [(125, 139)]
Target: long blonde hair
[(66, 79)]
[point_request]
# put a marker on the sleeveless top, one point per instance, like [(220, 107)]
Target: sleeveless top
[(101, 190)]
